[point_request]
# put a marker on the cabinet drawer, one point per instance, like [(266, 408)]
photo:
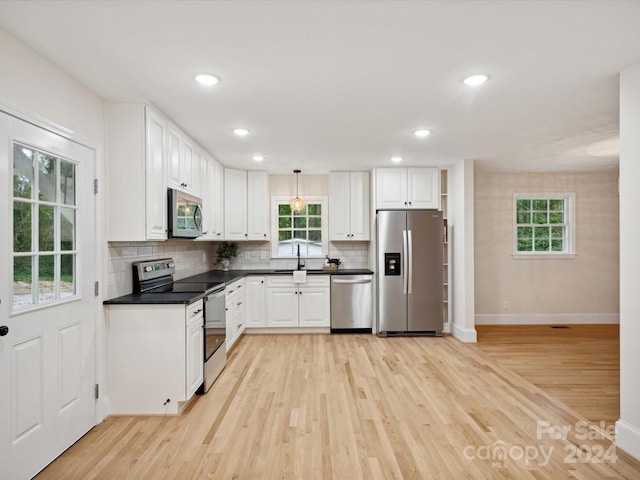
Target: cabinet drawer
[(194, 311)]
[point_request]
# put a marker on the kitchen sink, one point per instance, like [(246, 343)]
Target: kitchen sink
[(290, 270)]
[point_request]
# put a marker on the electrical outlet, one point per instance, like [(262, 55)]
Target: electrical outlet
[(247, 255), (506, 305)]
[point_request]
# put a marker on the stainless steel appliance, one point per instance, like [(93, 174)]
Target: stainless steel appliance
[(351, 303), (409, 272), (156, 276), (215, 328), (185, 214)]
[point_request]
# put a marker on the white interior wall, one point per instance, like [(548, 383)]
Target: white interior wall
[(461, 250), (628, 427), (583, 289), (35, 89)]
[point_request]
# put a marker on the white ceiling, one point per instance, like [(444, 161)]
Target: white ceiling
[(335, 85)]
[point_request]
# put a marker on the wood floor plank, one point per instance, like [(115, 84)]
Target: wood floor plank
[(351, 406)]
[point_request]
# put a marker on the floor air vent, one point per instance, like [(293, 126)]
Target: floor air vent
[(559, 326)]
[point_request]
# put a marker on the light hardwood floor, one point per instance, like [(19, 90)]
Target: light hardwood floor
[(352, 407), (579, 365)]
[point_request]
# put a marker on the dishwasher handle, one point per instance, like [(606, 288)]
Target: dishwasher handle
[(352, 281)]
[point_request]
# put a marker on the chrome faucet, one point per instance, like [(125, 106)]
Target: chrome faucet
[(300, 263)]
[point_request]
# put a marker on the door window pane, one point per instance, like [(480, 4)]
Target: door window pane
[(46, 233), (47, 178), (67, 275), (46, 278), (22, 226), (67, 228), (22, 171), (67, 183), (22, 281)]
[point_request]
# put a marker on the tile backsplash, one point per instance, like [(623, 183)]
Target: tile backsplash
[(193, 257)]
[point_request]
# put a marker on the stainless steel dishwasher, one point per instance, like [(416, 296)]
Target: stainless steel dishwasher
[(351, 303)]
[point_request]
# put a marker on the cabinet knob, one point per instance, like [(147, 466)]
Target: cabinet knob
[(265, 234)]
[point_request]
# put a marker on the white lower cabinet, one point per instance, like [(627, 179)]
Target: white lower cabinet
[(195, 352), (298, 305), (255, 302), (235, 314), (155, 357)]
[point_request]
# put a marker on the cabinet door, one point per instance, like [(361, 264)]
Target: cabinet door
[(339, 206), (235, 204), (198, 179), (423, 187), (195, 357), (359, 206), (173, 151), (255, 302), (207, 172), (156, 180), (258, 206), (314, 307), (391, 188), (282, 307), (186, 164), (218, 200)]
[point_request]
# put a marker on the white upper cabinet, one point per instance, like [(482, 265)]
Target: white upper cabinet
[(423, 185), (349, 206), (136, 144), (258, 206), (246, 205), (218, 200), (235, 204), (407, 188), (181, 161)]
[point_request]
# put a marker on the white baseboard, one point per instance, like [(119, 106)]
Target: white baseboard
[(285, 330), (466, 335), (546, 318), (628, 438)]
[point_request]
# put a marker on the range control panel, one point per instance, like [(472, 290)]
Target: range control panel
[(151, 269)]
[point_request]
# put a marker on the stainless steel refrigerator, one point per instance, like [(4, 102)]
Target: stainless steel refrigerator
[(410, 272)]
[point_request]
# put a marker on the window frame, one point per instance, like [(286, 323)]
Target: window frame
[(58, 296), (569, 221), (277, 200)]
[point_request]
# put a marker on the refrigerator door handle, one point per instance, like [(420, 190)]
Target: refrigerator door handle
[(405, 253), (410, 262)]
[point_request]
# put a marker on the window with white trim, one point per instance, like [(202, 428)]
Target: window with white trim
[(306, 229), (544, 224)]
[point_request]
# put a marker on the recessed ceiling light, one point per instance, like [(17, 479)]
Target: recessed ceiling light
[(396, 159), (241, 132), (421, 133), (207, 79), (258, 158), (475, 80)]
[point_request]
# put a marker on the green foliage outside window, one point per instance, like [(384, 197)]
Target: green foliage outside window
[(541, 225)]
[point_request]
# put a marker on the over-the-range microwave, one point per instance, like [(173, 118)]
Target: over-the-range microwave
[(185, 214)]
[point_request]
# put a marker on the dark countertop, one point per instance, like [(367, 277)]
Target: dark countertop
[(231, 275), (165, 298), (214, 276)]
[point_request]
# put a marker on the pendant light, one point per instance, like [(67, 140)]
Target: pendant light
[(297, 204)]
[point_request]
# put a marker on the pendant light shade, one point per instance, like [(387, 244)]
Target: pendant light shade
[(297, 204)]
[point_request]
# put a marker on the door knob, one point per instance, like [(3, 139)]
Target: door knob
[(4, 330)]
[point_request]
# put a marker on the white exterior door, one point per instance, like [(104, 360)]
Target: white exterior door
[(47, 309)]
